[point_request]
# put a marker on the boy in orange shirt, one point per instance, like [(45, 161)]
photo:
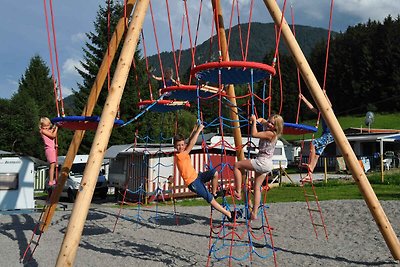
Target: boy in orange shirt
[(193, 180)]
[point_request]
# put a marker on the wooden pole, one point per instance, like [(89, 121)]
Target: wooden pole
[(87, 111), (233, 111), (358, 173), (73, 234), (325, 171), (381, 159)]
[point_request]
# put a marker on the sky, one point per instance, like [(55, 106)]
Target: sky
[(24, 34)]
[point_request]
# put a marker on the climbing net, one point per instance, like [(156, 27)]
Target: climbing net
[(242, 239)]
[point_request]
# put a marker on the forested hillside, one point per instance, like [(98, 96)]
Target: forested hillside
[(262, 41)]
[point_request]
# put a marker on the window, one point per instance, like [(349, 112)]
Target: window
[(8, 181), (278, 151), (117, 165)]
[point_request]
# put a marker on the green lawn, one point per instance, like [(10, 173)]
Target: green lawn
[(333, 190), (296, 194)]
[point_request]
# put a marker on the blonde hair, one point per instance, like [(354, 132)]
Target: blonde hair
[(44, 121), (278, 123)]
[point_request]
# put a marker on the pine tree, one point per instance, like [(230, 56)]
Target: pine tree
[(38, 84), (34, 99), (136, 85)]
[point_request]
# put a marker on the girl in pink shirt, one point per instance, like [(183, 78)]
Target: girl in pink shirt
[(49, 135)]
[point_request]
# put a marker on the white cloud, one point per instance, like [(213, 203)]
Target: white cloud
[(369, 9), (12, 82), (8, 86), (79, 37), (70, 65), (66, 91)]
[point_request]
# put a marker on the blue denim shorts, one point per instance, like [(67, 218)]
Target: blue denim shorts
[(198, 185), (321, 143)]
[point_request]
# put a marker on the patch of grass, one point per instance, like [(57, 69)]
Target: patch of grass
[(390, 177), (333, 190), (40, 194)]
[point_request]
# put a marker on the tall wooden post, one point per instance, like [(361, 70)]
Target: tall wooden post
[(233, 111), (73, 235), (87, 111), (348, 154)]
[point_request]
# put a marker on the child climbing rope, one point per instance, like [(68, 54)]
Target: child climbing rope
[(196, 181), (318, 145), (168, 80), (272, 129), (49, 134)]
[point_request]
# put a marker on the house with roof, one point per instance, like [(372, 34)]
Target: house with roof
[(368, 145)]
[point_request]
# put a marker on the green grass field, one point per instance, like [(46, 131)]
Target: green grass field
[(332, 190)]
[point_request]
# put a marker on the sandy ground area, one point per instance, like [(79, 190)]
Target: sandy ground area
[(151, 237)]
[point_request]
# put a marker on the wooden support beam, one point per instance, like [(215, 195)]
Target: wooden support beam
[(87, 111), (233, 110), (80, 211), (326, 110)]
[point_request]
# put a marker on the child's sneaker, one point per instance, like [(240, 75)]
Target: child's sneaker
[(220, 193), (233, 216)]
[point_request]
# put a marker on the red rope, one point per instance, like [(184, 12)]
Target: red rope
[(172, 41), (240, 30), (181, 41), (297, 69), (280, 84), (248, 30), (327, 53), (211, 39), (147, 69), (328, 44), (51, 59), (157, 45), (189, 32), (230, 28), (193, 47), (56, 54), (217, 30), (278, 37)]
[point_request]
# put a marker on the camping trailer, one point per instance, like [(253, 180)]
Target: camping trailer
[(17, 175)]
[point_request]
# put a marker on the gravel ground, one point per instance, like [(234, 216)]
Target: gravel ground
[(153, 236)]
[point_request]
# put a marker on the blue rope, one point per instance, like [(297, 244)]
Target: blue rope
[(145, 110)]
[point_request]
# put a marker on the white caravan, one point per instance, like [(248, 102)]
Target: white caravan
[(75, 176), (17, 174)]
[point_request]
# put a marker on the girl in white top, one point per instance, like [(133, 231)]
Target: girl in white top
[(272, 129)]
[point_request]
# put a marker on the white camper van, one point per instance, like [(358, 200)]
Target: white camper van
[(74, 179)]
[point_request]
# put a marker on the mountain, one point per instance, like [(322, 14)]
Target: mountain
[(262, 41)]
